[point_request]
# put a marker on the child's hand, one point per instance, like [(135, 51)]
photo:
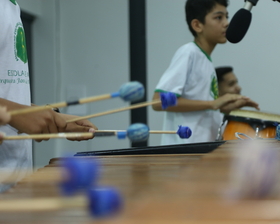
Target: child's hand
[(225, 99), (238, 104), (78, 126), (230, 102), (4, 116), (42, 122)]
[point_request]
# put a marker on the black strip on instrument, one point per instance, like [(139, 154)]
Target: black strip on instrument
[(194, 148), (104, 134), (73, 102), (138, 65)]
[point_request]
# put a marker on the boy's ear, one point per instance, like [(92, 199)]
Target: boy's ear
[(196, 25)]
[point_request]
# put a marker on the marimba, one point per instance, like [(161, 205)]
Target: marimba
[(185, 188)]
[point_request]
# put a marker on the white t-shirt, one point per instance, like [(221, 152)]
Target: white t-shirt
[(191, 75), (15, 155)]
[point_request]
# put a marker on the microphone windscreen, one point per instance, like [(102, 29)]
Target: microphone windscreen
[(238, 26)]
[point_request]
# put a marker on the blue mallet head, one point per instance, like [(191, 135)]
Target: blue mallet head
[(132, 91), (121, 134), (80, 174), (138, 132), (104, 202), (184, 132), (168, 99)]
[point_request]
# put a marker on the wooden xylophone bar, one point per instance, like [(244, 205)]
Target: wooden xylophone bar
[(174, 188)]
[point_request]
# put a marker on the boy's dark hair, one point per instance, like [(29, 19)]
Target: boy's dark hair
[(221, 71), (198, 9)]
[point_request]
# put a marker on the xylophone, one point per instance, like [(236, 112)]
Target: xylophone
[(172, 188)]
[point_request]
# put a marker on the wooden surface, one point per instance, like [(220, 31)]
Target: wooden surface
[(189, 189)]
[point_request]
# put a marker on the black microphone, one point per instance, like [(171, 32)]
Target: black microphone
[(240, 22)]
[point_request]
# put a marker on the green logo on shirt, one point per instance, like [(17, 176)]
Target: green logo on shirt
[(214, 88), (20, 44), (13, 1)]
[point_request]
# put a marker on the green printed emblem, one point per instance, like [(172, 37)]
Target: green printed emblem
[(13, 1), (214, 88), (20, 44)]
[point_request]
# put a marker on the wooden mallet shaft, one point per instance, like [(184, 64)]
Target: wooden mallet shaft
[(135, 106), (97, 133), (59, 105), (42, 204), (131, 91)]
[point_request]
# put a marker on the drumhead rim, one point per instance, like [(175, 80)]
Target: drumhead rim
[(255, 115), (249, 120)]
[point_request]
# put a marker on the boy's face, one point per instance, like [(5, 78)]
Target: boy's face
[(229, 84), (216, 24)]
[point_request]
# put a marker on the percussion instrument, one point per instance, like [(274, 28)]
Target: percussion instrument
[(172, 188), (254, 124)]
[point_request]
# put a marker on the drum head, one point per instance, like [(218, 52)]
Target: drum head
[(255, 115), (254, 118)]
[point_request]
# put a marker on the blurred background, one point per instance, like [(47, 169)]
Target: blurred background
[(81, 48)]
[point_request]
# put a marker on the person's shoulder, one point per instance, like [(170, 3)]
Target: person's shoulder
[(188, 46), (186, 49)]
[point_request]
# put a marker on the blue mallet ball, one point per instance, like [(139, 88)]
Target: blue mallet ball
[(79, 174), (168, 100), (184, 132), (104, 202), (132, 91), (138, 132)]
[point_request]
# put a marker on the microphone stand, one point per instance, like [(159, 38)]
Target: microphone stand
[(249, 4)]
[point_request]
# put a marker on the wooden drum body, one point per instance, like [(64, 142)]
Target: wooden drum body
[(251, 123)]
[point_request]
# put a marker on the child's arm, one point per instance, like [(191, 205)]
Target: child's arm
[(226, 103), (183, 105)]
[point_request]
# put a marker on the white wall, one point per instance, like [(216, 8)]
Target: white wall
[(81, 44), (31, 6), (85, 44), (95, 56)]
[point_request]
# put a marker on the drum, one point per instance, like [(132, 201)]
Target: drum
[(254, 124)]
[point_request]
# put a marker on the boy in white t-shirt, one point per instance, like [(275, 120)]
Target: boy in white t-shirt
[(191, 75), (15, 94)]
